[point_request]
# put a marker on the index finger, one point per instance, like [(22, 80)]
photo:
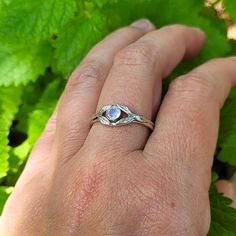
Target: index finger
[(187, 124)]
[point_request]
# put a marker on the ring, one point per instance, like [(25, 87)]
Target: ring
[(118, 115)]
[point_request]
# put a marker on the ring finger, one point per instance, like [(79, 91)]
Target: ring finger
[(81, 94), (135, 80)]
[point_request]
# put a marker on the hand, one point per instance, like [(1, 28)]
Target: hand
[(100, 180)]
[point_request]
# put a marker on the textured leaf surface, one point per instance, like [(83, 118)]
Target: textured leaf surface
[(4, 194), (230, 6), (21, 62), (101, 3), (76, 39), (35, 19), (37, 120), (10, 100), (227, 134), (223, 217)]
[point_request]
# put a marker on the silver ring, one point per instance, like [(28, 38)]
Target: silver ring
[(118, 115)]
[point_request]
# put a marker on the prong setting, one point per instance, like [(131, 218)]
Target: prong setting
[(111, 115)]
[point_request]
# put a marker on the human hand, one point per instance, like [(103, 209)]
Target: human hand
[(101, 180)]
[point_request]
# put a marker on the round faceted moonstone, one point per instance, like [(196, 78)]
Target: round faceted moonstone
[(113, 113)]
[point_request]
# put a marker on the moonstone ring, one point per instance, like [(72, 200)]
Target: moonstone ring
[(118, 114)]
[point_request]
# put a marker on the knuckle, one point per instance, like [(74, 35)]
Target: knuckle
[(221, 63), (134, 55), (193, 85), (218, 61), (88, 75), (51, 125)]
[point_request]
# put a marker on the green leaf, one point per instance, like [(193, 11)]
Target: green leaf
[(102, 3), (77, 38), (223, 217), (31, 96), (214, 176), (227, 134), (3, 5), (37, 120), (10, 100), (171, 12), (4, 194), (35, 19), (230, 7), (21, 63)]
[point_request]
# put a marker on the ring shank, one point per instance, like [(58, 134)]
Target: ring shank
[(147, 123)]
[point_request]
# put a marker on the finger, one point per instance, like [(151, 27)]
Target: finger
[(81, 94), (185, 135), (135, 80), (37, 161), (35, 179), (44, 144), (225, 187)]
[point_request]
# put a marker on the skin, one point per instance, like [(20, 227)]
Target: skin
[(99, 180)]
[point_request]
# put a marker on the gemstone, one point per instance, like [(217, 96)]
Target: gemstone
[(113, 113)]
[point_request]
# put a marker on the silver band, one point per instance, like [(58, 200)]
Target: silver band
[(118, 115)]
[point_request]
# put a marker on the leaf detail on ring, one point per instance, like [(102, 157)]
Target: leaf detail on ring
[(125, 109), (126, 120), (139, 118), (104, 120)]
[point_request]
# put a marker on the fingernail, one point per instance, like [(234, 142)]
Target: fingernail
[(143, 24)]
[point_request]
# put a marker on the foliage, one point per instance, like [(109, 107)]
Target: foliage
[(10, 100), (227, 138), (41, 42), (230, 8), (223, 216)]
